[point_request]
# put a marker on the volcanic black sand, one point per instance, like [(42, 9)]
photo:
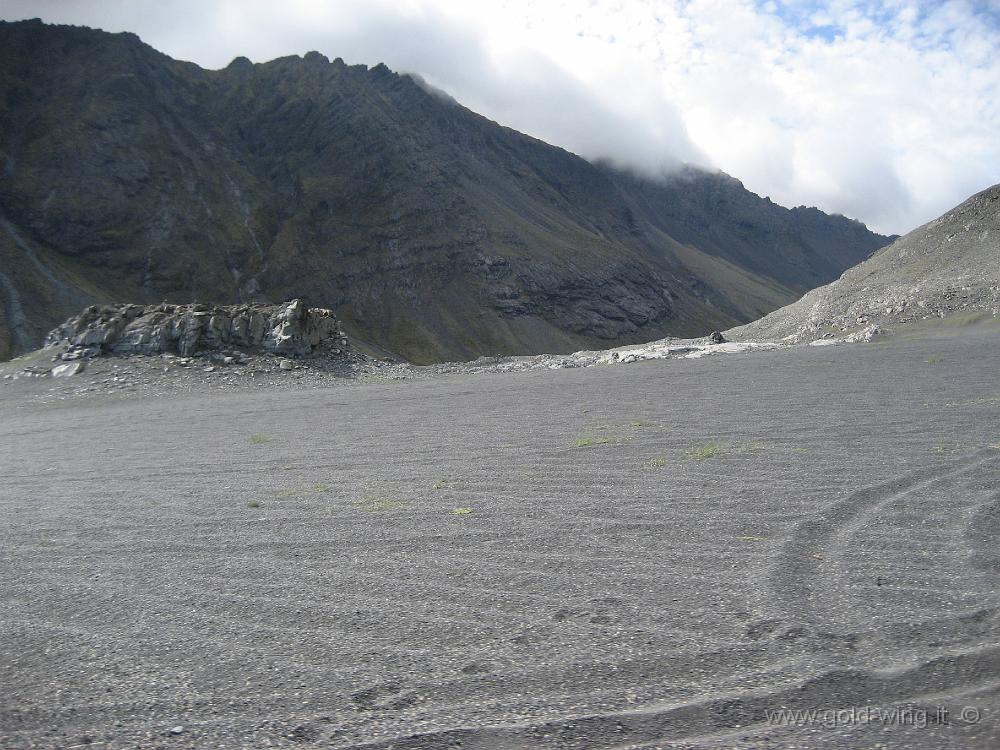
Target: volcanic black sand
[(646, 555)]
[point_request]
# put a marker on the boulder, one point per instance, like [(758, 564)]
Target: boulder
[(68, 370)]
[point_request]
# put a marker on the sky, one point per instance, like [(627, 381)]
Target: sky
[(885, 111)]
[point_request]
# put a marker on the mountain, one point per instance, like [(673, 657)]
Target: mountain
[(948, 269), (433, 232)]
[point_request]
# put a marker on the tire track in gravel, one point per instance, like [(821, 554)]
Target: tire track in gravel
[(835, 688), (797, 575)]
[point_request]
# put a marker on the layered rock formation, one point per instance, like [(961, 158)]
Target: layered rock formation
[(290, 329)]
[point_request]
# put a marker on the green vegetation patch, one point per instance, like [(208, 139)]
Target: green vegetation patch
[(712, 449), (990, 400), (313, 489), (945, 448), (380, 504), (606, 434), (259, 439), (585, 440), (715, 449)]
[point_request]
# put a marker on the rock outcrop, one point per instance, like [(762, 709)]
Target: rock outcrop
[(290, 329)]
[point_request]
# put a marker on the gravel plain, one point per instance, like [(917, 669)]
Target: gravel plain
[(658, 554)]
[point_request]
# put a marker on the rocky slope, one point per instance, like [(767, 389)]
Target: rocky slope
[(431, 231), (946, 269)]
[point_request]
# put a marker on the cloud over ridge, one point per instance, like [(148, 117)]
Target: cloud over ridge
[(884, 111)]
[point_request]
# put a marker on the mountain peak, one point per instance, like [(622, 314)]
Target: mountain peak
[(240, 63), (316, 58)]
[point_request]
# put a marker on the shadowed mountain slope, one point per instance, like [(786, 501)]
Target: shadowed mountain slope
[(948, 269), (432, 231)]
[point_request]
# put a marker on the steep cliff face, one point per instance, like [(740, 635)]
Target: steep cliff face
[(433, 232)]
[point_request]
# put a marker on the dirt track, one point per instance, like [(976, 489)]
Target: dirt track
[(649, 555)]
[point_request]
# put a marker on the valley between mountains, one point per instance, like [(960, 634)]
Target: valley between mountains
[(334, 415)]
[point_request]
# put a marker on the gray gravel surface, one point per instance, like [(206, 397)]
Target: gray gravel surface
[(651, 555)]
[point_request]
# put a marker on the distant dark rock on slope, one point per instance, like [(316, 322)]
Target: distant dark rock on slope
[(431, 231), (949, 267)]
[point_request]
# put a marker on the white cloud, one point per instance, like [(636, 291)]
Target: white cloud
[(886, 111)]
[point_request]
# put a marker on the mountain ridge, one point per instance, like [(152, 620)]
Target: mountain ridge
[(433, 232)]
